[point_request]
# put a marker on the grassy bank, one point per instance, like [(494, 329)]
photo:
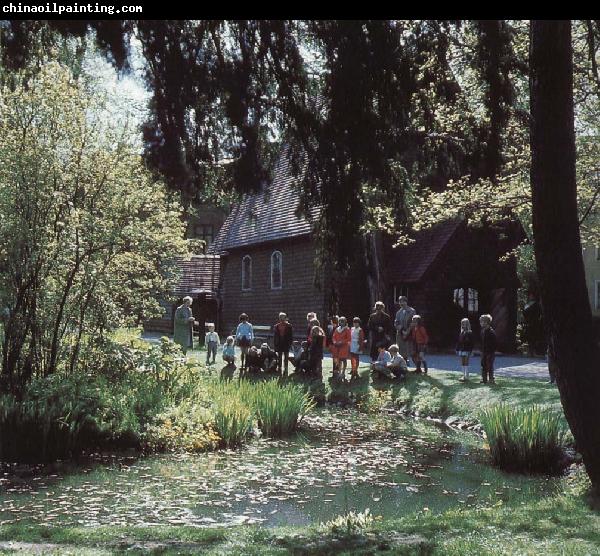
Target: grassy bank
[(563, 524)]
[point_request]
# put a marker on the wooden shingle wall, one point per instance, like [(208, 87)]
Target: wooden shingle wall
[(298, 294)]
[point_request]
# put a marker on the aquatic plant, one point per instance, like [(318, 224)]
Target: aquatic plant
[(233, 421), (280, 407), (277, 407), (524, 438)]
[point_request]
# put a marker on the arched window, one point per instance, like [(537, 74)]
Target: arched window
[(276, 271), (247, 273), (467, 298)]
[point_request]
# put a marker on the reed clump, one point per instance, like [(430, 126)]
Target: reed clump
[(529, 439)]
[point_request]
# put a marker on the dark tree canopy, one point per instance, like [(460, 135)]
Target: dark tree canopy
[(359, 100)]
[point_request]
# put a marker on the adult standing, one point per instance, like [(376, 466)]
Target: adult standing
[(402, 324), (310, 317), (380, 327), (282, 341), (183, 325)]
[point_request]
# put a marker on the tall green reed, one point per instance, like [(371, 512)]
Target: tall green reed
[(529, 439)]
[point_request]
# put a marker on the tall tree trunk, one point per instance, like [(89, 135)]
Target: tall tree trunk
[(376, 283), (557, 242)]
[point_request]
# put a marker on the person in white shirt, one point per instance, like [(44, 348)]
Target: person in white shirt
[(379, 367), (397, 365), (211, 341)]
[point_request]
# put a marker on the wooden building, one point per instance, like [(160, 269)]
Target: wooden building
[(269, 264)]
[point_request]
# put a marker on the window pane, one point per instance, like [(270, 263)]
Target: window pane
[(473, 302), (459, 297), (276, 270), (246, 273)]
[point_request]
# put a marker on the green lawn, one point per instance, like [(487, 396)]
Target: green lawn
[(437, 394)]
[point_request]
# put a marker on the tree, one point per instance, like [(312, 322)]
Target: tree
[(557, 240), (86, 234)]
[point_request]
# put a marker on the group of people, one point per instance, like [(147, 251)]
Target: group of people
[(345, 343)]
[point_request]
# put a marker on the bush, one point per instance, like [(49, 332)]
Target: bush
[(54, 419), (525, 439), (111, 405), (187, 427)]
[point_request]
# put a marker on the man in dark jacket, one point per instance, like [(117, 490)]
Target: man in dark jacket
[(488, 349), (282, 341), (380, 329)]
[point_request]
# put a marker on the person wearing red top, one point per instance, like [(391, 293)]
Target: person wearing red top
[(340, 347), (420, 339), (282, 341)]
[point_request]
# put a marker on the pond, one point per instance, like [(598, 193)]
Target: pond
[(340, 461)]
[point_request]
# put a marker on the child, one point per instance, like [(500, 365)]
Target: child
[(268, 358), (244, 336), (380, 365), (488, 349), (211, 341), (340, 347), (464, 347), (329, 330), (282, 341), (229, 351), (397, 366), (315, 357), (300, 358), (420, 339), (357, 345), (253, 360)]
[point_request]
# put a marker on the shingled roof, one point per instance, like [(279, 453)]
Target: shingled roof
[(200, 274), (268, 215), (409, 263)]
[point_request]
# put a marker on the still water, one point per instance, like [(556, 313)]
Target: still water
[(340, 461)]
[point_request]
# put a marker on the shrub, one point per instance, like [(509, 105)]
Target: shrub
[(110, 405), (52, 420), (525, 439), (187, 427)]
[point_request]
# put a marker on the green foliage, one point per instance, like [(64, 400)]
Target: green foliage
[(233, 421), (188, 427), (111, 405), (349, 523), (87, 236), (277, 407), (528, 439)]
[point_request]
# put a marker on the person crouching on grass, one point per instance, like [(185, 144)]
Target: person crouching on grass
[(397, 366), (229, 351), (379, 367), (488, 349), (464, 347), (420, 340)]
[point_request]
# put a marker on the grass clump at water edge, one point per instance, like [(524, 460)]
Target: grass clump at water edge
[(524, 439)]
